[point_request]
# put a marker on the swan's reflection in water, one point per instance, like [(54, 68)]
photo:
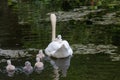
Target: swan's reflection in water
[(60, 64), (56, 74)]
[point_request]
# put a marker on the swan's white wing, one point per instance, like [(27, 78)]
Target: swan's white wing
[(52, 48), (64, 51), (67, 46), (59, 49), (61, 52)]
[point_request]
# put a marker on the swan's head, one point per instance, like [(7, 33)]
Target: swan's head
[(27, 63), (37, 59), (40, 51), (9, 62), (53, 16)]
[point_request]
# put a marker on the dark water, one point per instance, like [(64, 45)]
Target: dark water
[(92, 67), (25, 27)]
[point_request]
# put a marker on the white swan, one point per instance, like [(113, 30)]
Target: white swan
[(58, 48), (28, 69), (39, 66), (10, 68)]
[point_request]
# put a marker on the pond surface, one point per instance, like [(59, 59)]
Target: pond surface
[(92, 67), (28, 26)]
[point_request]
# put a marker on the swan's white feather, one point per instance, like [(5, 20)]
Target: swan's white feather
[(59, 49)]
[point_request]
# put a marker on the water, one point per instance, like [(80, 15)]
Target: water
[(98, 66), (48, 73), (28, 26)]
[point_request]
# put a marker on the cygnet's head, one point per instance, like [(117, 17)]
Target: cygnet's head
[(9, 62), (59, 37), (27, 63), (40, 51)]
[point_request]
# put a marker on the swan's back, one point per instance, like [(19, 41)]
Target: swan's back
[(59, 49)]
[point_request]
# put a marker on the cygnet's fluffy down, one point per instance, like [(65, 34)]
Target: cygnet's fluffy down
[(40, 55), (10, 68), (28, 69), (39, 66)]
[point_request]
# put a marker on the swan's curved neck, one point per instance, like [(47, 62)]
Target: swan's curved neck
[(53, 22)]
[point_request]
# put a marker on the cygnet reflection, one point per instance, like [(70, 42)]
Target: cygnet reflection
[(10, 68), (39, 66), (27, 69)]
